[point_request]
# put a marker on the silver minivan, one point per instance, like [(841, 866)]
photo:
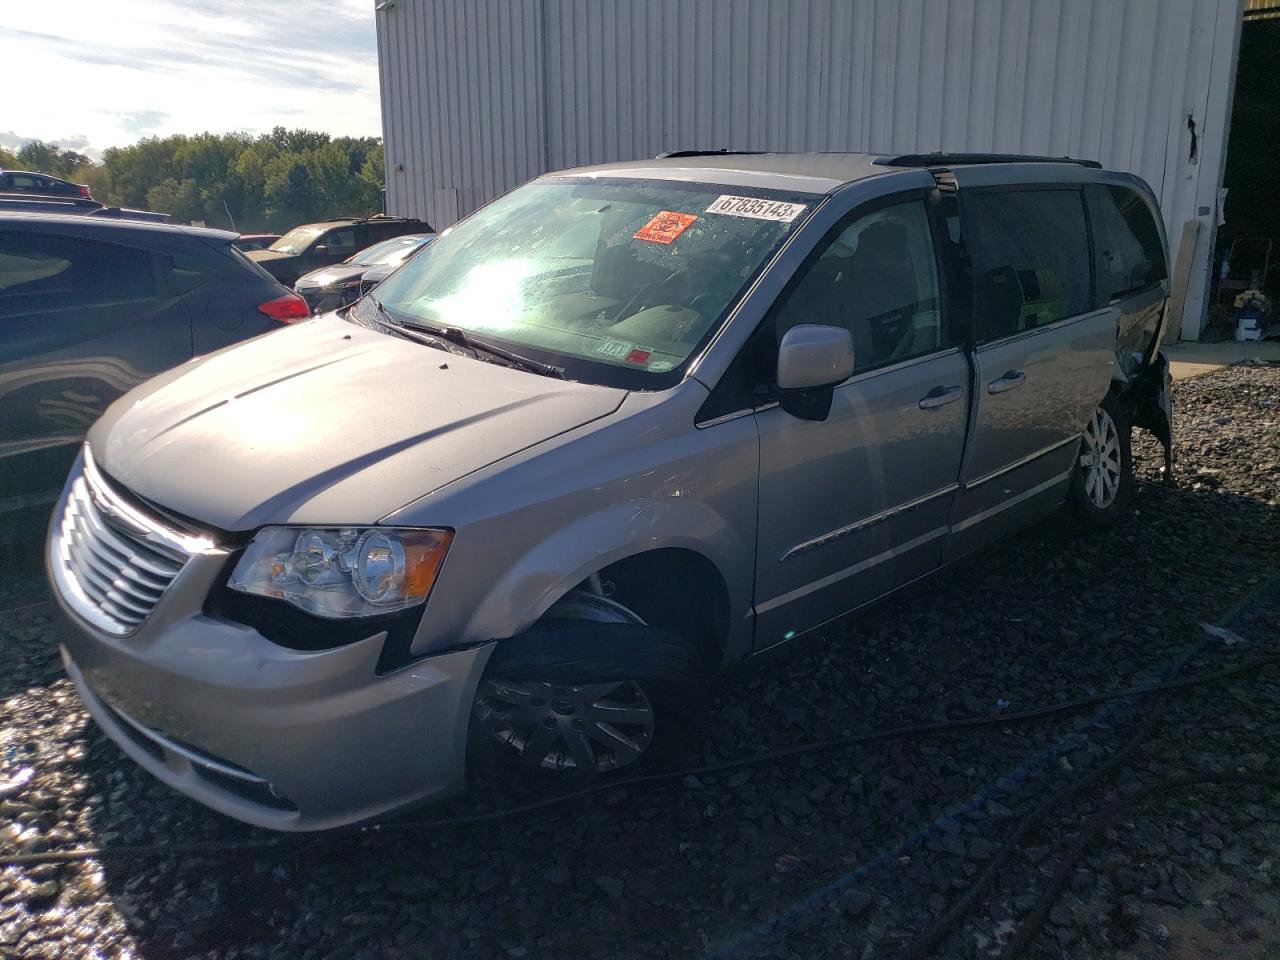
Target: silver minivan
[(627, 424)]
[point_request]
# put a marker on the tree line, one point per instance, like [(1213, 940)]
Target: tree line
[(269, 182)]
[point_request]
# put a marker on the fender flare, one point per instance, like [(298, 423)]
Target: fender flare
[(589, 544)]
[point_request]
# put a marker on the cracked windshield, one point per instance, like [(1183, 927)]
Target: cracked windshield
[(630, 274)]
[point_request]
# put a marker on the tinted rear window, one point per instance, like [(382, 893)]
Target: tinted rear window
[(1030, 256), (1130, 255), (41, 273)]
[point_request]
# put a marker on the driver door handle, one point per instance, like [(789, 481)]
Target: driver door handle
[(1011, 379), (940, 397)]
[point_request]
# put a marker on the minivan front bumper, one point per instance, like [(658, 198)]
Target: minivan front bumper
[(278, 738)]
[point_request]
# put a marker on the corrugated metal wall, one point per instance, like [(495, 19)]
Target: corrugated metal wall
[(479, 95)]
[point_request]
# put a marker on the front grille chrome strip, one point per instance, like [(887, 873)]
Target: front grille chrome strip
[(112, 562)]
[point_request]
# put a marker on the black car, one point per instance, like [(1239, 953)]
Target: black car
[(92, 306), (332, 287), (315, 245), (41, 184)]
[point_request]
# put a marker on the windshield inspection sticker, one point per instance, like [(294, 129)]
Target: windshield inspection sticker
[(756, 209), (618, 349), (665, 227)]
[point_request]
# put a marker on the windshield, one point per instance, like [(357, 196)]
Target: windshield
[(388, 251), (297, 240), (597, 275)]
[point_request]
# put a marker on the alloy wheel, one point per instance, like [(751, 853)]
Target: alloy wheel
[(593, 727), (1100, 459)]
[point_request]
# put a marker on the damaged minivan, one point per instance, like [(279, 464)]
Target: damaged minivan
[(626, 425)]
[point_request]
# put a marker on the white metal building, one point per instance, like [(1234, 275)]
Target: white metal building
[(480, 95)]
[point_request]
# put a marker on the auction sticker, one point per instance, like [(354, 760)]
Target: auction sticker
[(756, 208), (665, 227)]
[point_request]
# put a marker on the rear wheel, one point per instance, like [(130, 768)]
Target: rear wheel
[(588, 690), (1103, 476)]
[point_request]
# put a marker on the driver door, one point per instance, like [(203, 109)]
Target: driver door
[(857, 504)]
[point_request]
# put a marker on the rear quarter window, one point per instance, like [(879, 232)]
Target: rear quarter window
[(1130, 254), (1029, 251), (236, 254)]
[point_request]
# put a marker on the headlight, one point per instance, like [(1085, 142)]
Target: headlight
[(342, 571)]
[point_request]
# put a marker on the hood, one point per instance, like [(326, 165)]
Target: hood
[(381, 272), (329, 276), (268, 256), (325, 422)]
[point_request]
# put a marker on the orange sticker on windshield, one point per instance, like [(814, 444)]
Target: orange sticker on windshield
[(665, 227)]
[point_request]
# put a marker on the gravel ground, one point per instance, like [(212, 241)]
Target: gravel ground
[(849, 853)]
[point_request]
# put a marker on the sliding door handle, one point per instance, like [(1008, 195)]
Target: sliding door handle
[(1011, 379), (940, 397)]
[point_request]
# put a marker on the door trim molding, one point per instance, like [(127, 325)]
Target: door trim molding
[(847, 572), (1007, 468), (841, 532), (1003, 505)]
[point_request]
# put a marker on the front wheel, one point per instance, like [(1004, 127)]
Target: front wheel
[(587, 698), (1102, 480)]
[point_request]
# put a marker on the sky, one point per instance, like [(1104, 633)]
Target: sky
[(104, 73)]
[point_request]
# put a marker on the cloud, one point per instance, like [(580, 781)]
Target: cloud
[(116, 72), (13, 142), (141, 121)]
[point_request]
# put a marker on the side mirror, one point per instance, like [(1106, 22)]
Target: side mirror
[(320, 250), (812, 361)]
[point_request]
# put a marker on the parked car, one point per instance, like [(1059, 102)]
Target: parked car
[(376, 274), (332, 287), (254, 241), (41, 184), (91, 307), (315, 245), (623, 426)]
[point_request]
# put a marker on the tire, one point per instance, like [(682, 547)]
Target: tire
[(1102, 478), (584, 698)]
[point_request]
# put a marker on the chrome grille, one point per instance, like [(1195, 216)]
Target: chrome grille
[(111, 561)]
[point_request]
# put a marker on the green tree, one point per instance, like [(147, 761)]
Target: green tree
[(181, 199), (269, 181), (38, 156)]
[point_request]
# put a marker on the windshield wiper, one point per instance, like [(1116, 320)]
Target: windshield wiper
[(406, 330), (461, 338), (436, 334)]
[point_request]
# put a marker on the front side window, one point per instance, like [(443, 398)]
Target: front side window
[(1029, 251), (878, 279), (618, 281), (1130, 254), (341, 243)]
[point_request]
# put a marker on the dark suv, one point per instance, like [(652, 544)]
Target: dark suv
[(91, 307), (313, 245)]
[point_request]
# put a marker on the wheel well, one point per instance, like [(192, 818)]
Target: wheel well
[(677, 590)]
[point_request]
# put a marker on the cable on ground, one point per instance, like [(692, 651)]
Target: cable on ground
[(218, 848)]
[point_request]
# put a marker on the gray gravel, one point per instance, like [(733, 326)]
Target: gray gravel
[(845, 854)]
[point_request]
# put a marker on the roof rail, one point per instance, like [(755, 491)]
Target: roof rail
[(963, 159), (674, 154)]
